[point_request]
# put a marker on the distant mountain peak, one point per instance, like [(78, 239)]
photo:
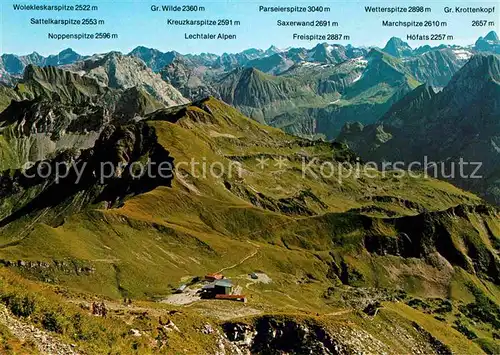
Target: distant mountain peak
[(396, 41), (326, 46), (398, 48), (141, 48), (67, 50), (327, 53), (251, 52), (153, 58), (491, 36), (35, 58), (272, 50), (145, 51), (66, 56), (489, 43)]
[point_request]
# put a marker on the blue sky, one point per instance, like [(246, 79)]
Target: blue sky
[(136, 24)]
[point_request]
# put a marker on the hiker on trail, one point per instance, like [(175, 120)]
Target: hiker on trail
[(104, 311), (94, 308)]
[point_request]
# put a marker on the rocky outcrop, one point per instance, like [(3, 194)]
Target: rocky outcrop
[(56, 109), (116, 71), (188, 79), (59, 85), (45, 342), (288, 334), (427, 233), (270, 334), (37, 267), (274, 64), (154, 59)]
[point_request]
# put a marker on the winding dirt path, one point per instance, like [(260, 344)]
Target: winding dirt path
[(338, 313), (242, 260)]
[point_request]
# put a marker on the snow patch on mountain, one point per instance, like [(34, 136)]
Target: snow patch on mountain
[(462, 54), (310, 64), (360, 61), (357, 78)]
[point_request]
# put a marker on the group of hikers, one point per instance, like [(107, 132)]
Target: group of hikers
[(99, 309)]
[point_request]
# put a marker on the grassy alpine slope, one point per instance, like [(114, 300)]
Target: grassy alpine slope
[(327, 246)]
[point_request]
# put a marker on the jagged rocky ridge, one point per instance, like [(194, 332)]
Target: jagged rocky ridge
[(54, 109), (323, 91), (189, 79), (317, 108), (15, 65), (117, 71)]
